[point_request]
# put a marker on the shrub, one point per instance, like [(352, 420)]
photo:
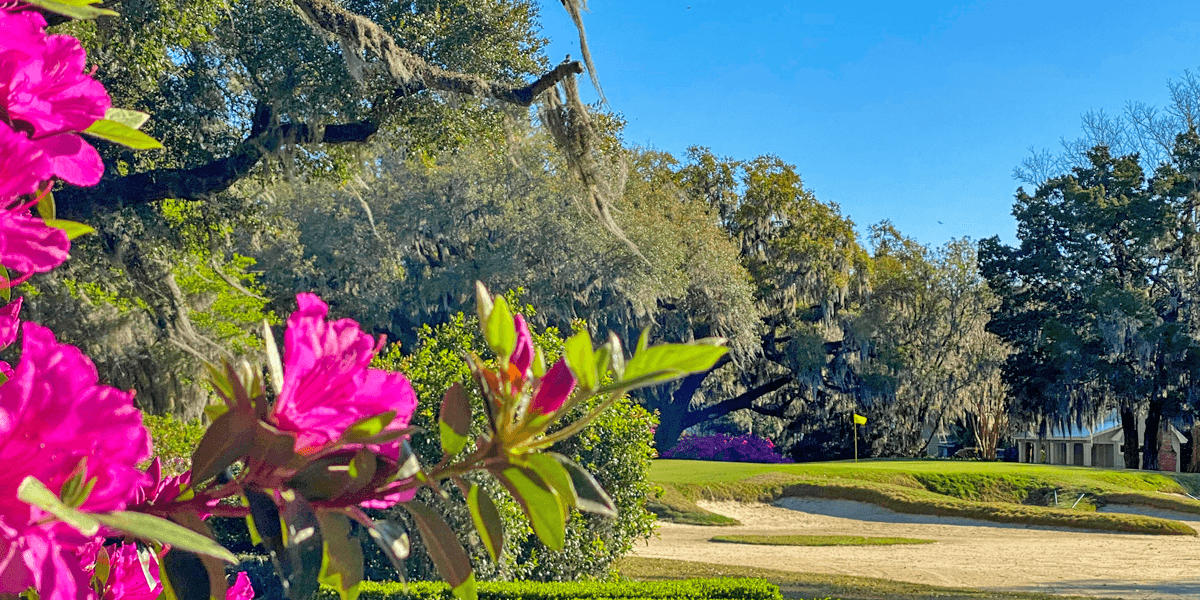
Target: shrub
[(616, 448), (726, 448), (691, 589), (174, 440)]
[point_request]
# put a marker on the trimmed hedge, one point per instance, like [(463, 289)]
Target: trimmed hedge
[(695, 589)]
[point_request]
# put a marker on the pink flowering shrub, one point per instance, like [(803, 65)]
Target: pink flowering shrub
[(727, 448)]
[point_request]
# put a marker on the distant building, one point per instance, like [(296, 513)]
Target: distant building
[(1102, 445)]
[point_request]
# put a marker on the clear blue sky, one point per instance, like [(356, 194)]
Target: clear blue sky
[(911, 111)]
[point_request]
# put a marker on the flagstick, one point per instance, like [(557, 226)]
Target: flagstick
[(854, 424)]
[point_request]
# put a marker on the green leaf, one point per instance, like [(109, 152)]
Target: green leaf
[(369, 426), (214, 411), (5, 285), (581, 359), (212, 567), (158, 529), (589, 496), (643, 340), (466, 590), (500, 331), (671, 361), (556, 476), (184, 577), (120, 133), (227, 440), (76, 9), (134, 119), (442, 545), (487, 520), (71, 228), (541, 504), (45, 206), (34, 492), (392, 538), (296, 551), (454, 419), (342, 561)]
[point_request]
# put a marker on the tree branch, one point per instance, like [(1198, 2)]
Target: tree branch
[(739, 402), (413, 73), (204, 181)]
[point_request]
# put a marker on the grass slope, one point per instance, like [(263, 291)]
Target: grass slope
[(815, 585), (816, 540), (1001, 492)]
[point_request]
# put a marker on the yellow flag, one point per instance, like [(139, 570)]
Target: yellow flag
[(859, 419)]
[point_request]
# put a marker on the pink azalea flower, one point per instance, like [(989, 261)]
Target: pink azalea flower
[(522, 355), (241, 588), (46, 94), (157, 490), (28, 245), (9, 321), (126, 578), (23, 165), (553, 390), (327, 386), (54, 414)]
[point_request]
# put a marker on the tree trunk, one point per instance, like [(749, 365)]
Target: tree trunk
[(1195, 466), (1150, 448), (1129, 426)]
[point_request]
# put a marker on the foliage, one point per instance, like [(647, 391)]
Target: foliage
[(615, 448), (696, 589), (742, 448), (173, 440)]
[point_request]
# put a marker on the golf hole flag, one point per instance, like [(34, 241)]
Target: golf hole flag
[(859, 419)]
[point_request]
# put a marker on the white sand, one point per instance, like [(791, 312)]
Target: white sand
[(969, 553)]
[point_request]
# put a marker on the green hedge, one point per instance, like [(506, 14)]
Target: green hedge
[(697, 589)]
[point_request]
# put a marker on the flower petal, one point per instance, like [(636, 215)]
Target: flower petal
[(553, 390)]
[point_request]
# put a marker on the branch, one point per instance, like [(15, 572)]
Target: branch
[(413, 73), (739, 402), (205, 181)]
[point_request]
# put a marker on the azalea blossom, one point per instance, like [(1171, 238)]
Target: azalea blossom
[(327, 385), (522, 355), (553, 389), (28, 245), (46, 95), (57, 420), (23, 165)]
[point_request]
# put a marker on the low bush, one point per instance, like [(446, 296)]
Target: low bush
[(726, 448), (174, 441), (695, 589)]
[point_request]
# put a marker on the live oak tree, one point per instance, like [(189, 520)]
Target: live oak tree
[(244, 95), (1090, 303)]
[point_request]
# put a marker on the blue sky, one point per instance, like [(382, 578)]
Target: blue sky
[(911, 111)]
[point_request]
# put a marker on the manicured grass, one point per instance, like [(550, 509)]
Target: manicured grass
[(816, 585), (1001, 492), (816, 540)]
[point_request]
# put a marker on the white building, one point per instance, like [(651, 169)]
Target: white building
[(1102, 445)]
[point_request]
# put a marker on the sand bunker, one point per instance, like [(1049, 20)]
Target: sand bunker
[(969, 553)]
